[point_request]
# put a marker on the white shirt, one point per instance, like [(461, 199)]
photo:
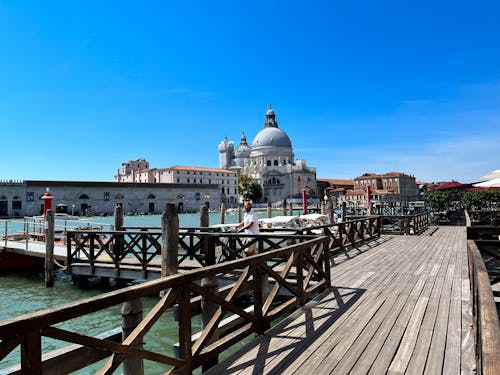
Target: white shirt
[(251, 217)]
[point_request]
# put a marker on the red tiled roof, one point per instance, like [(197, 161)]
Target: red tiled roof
[(449, 185), (332, 181), (200, 169)]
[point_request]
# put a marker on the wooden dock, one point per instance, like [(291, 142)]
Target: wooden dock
[(403, 306)]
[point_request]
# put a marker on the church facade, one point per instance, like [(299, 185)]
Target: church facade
[(269, 160)]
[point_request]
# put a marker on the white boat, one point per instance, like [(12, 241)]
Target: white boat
[(225, 227), (290, 222), (311, 220)]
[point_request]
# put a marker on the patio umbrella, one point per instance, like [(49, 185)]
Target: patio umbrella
[(491, 183), (491, 175)]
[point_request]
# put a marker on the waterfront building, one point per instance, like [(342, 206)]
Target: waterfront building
[(270, 162), (393, 188), (139, 171), (23, 198)]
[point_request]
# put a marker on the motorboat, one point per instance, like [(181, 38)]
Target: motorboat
[(287, 222)]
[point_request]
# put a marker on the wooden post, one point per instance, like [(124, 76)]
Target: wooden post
[(222, 213), (330, 212), (118, 217), (283, 207), (131, 317), (291, 209), (209, 307), (118, 242), (204, 218), (344, 212), (49, 249), (269, 210), (170, 240), (240, 214)]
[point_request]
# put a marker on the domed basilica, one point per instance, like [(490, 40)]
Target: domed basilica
[(270, 161)]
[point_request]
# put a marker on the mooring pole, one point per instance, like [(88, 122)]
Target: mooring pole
[(222, 213), (269, 210), (283, 207), (170, 242), (49, 249), (344, 212)]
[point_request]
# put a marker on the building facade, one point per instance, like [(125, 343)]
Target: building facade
[(23, 198), (270, 162), (389, 188), (138, 171)]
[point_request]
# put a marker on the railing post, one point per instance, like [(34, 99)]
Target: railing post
[(209, 307), (131, 317), (344, 212), (185, 331), (49, 249), (31, 353), (170, 240)]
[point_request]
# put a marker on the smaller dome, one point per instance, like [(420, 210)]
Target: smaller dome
[(269, 112)]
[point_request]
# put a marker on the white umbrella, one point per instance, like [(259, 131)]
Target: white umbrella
[(491, 175), (491, 183)]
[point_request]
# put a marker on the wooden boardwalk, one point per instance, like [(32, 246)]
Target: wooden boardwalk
[(402, 306), (35, 249)]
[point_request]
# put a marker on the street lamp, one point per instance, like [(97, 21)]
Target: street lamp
[(72, 209)]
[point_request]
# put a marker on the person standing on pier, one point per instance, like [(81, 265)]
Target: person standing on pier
[(250, 225)]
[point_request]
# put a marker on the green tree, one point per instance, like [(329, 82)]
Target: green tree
[(249, 189)]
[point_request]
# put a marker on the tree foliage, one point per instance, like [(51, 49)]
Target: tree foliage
[(448, 200), (249, 189)]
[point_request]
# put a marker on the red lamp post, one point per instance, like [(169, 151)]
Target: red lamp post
[(47, 201)]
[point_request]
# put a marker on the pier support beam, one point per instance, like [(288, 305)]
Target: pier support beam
[(49, 249), (131, 317)]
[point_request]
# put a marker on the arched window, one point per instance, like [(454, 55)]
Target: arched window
[(276, 162), (84, 196), (151, 196), (268, 163), (278, 181), (274, 180)]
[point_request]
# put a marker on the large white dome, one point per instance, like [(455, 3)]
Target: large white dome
[(274, 137)]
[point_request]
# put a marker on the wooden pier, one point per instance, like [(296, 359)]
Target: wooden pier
[(403, 306), (358, 302)]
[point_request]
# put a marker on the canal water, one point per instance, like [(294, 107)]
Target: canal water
[(22, 293)]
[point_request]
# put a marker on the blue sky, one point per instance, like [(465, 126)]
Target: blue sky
[(359, 86)]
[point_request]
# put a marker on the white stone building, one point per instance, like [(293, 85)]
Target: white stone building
[(138, 171), (270, 161)]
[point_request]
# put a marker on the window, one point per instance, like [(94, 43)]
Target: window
[(107, 195), (188, 180), (151, 196), (222, 191), (276, 162), (268, 163), (209, 181), (197, 196), (16, 205), (180, 196), (84, 196), (30, 196), (177, 180)]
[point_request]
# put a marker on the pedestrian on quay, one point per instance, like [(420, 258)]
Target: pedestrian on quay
[(250, 225)]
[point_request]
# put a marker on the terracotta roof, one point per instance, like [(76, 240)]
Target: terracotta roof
[(200, 169), (332, 181), (449, 185)]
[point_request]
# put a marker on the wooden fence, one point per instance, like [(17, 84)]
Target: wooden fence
[(303, 271), (406, 225)]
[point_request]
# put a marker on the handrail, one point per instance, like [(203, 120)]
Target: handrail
[(304, 272), (485, 314)]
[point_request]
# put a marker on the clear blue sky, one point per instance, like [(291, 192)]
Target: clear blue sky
[(359, 86)]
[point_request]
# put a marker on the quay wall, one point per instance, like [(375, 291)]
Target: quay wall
[(18, 199)]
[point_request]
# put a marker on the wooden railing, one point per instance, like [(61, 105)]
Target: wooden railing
[(303, 272), (487, 331), (408, 225), (141, 248), (200, 247)]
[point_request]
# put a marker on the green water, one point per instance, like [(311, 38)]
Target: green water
[(22, 293)]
